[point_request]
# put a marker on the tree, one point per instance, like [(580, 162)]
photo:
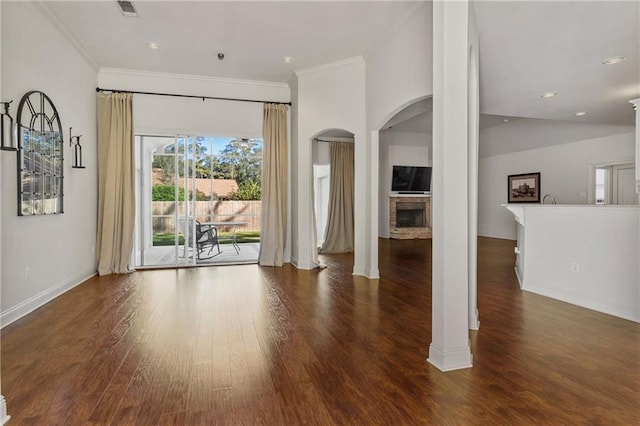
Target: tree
[(242, 161), (166, 163), (247, 191), (168, 193)]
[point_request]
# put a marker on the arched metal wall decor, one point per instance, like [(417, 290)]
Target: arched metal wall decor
[(40, 156)]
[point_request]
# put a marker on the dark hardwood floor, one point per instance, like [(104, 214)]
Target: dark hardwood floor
[(240, 345)]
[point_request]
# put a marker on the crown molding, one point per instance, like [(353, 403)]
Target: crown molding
[(57, 23), (192, 77), (330, 65)]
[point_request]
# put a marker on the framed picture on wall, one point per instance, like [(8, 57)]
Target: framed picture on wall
[(524, 188)]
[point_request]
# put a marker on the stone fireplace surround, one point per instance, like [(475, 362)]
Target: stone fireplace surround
[(409, 233)]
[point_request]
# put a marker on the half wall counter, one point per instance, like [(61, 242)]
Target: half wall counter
[(587, 255)]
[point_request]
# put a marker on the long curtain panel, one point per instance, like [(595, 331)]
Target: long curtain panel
[(274, 185), (116, 180), (339, 234)]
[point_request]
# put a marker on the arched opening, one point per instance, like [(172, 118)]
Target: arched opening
[(405, 144), (403, 136), (333, 189)]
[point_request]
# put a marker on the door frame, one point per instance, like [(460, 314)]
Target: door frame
[(591, 199)]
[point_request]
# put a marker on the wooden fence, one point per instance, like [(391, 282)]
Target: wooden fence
[(208, 211)]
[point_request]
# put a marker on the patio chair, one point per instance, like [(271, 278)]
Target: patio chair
[(206, 236)]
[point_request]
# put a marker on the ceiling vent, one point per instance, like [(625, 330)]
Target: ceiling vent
[(127, 8)]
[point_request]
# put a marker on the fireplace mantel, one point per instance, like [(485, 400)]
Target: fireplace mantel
[(409, 233)]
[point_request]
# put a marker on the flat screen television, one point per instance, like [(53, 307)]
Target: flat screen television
[(411, 179)]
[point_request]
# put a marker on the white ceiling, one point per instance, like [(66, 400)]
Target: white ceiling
[(527, 48), (253, 35)]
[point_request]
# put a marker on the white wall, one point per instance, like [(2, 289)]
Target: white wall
[(523, 134), (585, 255), (564, 174), (399, 68), (169, 116), (398, 149), (3, 403), (399, 73), (57, 249), (331, 96)]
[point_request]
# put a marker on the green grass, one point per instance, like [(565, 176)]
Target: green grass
[(225, 238)]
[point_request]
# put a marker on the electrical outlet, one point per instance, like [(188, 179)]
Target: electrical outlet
[(27, 273), (93, 249), (575, 267)]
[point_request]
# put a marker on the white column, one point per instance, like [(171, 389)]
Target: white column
[(374, 160), (449, 348)]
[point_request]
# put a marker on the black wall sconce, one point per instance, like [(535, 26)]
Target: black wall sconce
[(74, 141), (9, 141)]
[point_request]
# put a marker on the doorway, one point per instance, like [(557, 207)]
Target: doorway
[(198, 200), (613, 184), (333, 191)]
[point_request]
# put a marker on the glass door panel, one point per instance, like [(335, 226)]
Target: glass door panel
[(161, 179)]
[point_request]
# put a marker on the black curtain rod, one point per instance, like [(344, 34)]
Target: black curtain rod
[(189, 96)]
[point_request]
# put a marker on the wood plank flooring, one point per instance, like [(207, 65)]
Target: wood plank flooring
[(244, 345)]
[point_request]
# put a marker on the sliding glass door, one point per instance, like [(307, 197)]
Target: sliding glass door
[(198, 200), (165, 170)]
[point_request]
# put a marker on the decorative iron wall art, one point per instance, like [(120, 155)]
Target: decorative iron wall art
[(40, 156)]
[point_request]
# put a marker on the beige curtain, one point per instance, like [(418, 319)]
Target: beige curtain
[(339, 234), (116, 197), (274, 185)]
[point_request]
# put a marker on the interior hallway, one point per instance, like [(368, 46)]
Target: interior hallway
[(249, 345)]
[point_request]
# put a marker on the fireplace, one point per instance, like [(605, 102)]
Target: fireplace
[(409, 217)]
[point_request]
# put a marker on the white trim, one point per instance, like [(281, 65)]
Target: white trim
[(359, 271), (330, 65), (474, 320), (452, 359), (520, 280), (190, 77), (591, 172), (4, 418), (56, 22), (20, 310), (373, 274)]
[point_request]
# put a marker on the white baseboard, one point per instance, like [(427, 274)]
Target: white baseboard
[(18, 311), (373, 274), (450, 359), (4, 418), (520, 282), (359, 271), (474, 321)]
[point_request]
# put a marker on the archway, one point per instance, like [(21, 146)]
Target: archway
[(325, 210), (412, 117)]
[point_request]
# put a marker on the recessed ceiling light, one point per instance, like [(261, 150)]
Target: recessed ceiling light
[(549, 94), (580, 113), (506, 120), (287, 59), (613, 60), (153, 45)]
